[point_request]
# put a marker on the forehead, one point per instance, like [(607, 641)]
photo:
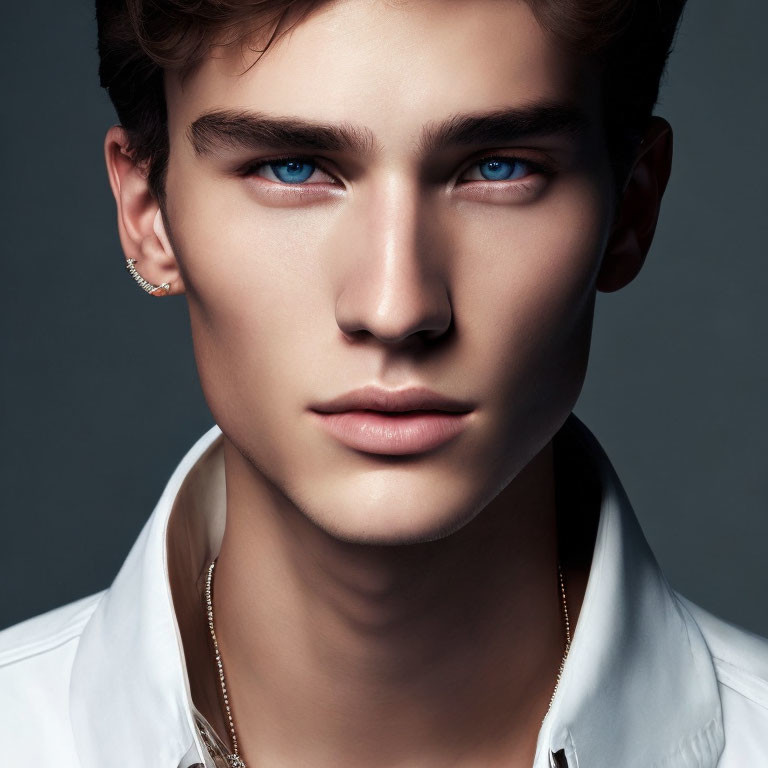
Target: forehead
[(390, 67)]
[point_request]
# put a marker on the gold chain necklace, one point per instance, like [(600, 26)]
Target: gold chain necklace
[(234, 760), (567, 638)]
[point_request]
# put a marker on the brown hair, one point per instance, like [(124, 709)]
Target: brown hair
[(138, 39)]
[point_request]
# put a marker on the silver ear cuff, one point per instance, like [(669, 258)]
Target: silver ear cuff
[(145, 285)]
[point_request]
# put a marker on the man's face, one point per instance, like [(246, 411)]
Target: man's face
[(467, 267)]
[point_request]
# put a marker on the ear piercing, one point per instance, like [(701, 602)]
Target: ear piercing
[(145, 285)]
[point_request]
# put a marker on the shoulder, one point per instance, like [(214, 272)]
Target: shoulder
[(740, 656), (740, 660), (36, 658), (22, 643)]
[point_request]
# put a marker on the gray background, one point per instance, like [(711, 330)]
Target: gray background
[(99, 392)]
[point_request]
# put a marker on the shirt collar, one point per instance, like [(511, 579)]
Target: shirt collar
[(130, 702), (638, 688)]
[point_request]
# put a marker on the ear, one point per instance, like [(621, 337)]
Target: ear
[(638, 211), (139, 218)]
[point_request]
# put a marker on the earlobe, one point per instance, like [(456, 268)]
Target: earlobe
[(622, 261), (638, 212), (146, 245)]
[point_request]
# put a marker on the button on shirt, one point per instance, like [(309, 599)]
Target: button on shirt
[(651, 680)]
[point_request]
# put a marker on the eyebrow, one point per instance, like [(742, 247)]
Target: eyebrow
[(247, 130), (504, 125)]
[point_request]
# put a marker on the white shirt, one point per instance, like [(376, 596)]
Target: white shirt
[(651, 680)]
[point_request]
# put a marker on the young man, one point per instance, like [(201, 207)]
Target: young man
[(389, 221)]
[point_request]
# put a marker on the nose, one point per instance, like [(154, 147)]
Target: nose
[(393, 283)]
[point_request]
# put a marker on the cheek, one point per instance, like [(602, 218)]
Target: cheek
[(254, 290), (256, 257), (526, 287)]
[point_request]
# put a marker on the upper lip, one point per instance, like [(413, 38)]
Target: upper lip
[(373, 398)]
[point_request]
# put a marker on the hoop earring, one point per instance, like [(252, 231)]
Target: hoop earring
[(145, 285)]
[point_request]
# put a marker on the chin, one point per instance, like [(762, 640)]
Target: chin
[(388, 516)]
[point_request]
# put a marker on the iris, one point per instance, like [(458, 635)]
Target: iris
[(499, 169), (292, 171)]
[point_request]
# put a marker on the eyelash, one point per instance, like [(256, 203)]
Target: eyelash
[(535, 167)]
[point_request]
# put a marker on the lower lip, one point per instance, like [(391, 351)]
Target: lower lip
[(395, 434)]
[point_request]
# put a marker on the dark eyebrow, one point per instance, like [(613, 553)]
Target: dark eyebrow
[(229, 129), (224, 129), (504, 125)]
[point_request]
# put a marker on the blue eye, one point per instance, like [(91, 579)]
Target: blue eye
[(297, 170), (502, 169), (292, 171)]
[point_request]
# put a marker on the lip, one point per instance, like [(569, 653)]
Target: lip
[(393, 422), (373, 398)]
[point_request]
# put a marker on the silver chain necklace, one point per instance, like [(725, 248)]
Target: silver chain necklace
[(234, 760)]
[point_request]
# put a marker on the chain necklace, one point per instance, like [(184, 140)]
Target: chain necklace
[(567, 638), (234, 760)]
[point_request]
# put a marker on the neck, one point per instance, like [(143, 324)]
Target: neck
[(337, 653)]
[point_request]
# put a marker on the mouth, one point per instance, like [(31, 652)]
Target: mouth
[(393, 422), (375, 398)]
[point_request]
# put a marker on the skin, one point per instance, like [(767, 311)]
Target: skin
[(371, 610)]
